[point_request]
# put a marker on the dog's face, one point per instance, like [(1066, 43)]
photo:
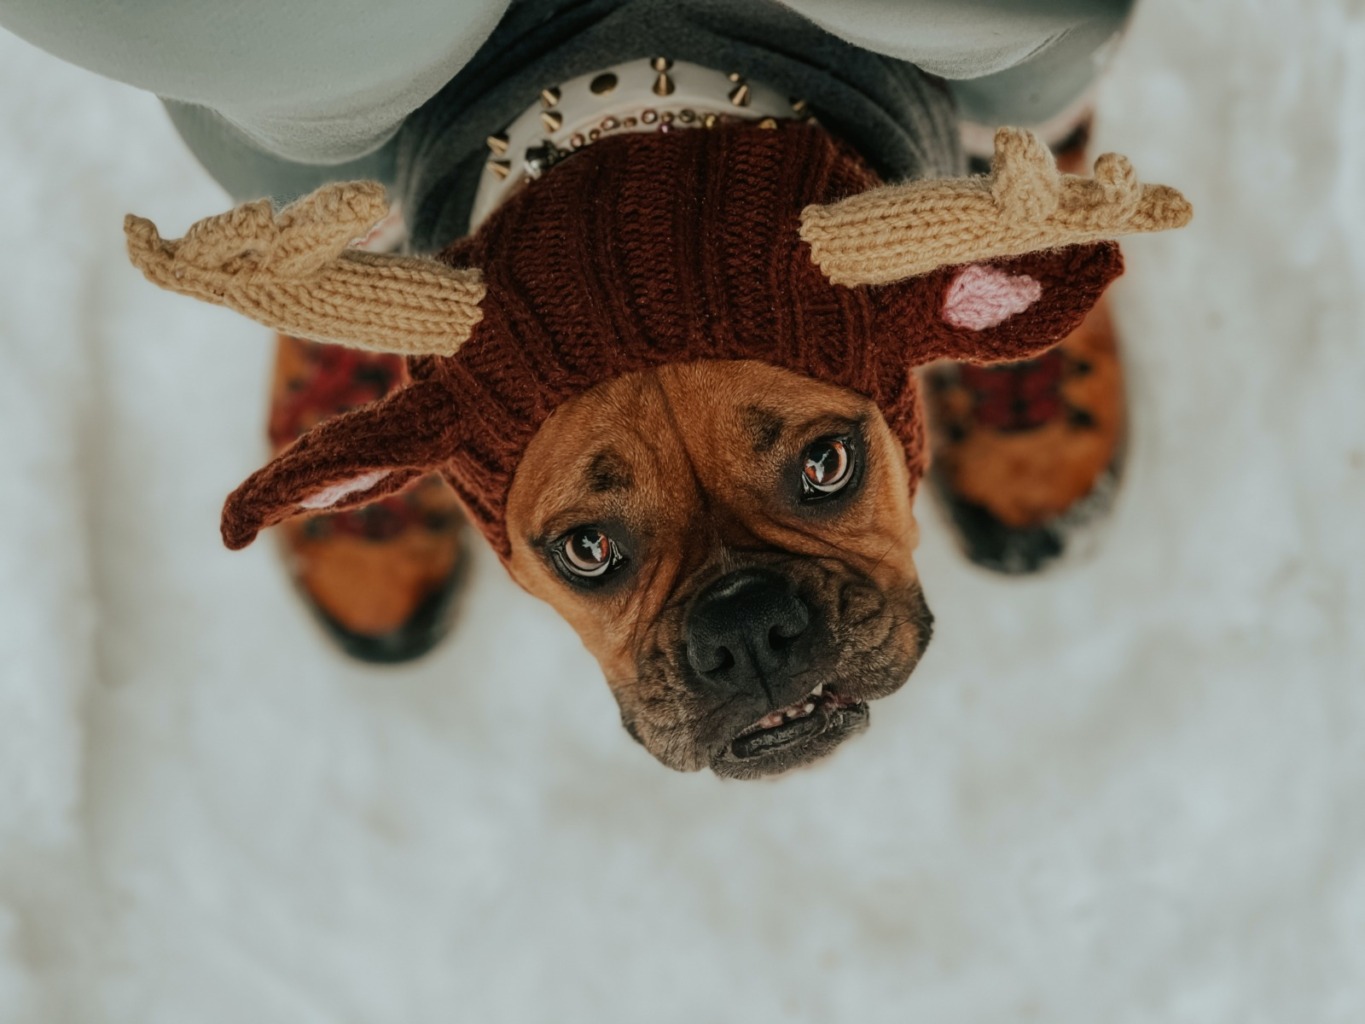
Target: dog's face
[(733, 542)]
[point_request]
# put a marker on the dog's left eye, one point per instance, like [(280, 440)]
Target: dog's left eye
[(826, 467), (587, 553)]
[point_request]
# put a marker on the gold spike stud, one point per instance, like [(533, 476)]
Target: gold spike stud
[(549, 97), (735, 76), (502, 168), (739, 95), (661, 64), (497, 143), (768, 122), (663, 85), (799, 106), (553, 120)]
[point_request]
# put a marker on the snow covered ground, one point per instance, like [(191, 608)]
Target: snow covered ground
[(1131, 791)]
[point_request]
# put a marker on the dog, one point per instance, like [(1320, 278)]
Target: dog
[(695, 430), (745, 576)]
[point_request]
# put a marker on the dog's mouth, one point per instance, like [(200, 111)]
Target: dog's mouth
[(797, 734)]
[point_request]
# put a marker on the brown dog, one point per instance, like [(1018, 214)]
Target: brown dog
[(673, 383), (728, 539)]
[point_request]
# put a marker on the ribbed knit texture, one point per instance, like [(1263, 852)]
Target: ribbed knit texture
[(646, 250), (643, 251), (652, 249)]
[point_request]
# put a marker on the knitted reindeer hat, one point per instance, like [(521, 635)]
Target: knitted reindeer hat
[(742, 242)]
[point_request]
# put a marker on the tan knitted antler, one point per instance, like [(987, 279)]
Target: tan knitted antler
[(1024, 205), (294, 272)]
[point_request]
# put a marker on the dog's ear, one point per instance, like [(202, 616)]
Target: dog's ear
[(1002, 310), (990, 268), (347, 461)]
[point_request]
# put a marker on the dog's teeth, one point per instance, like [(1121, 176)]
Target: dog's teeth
[(809, 708), (818, 690)]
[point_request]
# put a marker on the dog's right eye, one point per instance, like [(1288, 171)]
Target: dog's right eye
[(586, 553), (827, 467)]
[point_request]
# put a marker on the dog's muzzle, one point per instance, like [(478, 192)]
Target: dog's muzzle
[(752, 642)]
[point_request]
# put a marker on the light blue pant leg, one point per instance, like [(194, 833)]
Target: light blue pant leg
[(246, 171), (309, 81), (275, 97), (1044, 85)]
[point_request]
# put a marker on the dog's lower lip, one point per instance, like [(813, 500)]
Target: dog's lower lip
[(815, 714), (819, 697), (748, 758), (755, 744)]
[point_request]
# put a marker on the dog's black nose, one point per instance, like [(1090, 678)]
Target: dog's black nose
[(744, 628)]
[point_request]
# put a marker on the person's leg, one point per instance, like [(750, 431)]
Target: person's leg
[(1026, 63), (1023, 453), (1029, 455), (279, 95), (381, 579), (275, 99), (246, 171), (1050, 91)]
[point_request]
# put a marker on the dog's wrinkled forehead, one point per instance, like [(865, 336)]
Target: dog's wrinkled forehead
[(710, 429)]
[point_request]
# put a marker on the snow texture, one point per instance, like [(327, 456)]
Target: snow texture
[(1133, 790)]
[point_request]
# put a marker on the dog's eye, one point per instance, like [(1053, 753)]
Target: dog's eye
[(587, 553), (826, 467)]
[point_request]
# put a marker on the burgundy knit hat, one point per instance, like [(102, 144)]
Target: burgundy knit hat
[(742, 242)]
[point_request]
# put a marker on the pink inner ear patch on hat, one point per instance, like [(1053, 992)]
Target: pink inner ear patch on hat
[(329, 496), (982, 297)]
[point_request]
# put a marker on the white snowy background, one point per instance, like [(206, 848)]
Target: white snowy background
[(1133, 790)]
